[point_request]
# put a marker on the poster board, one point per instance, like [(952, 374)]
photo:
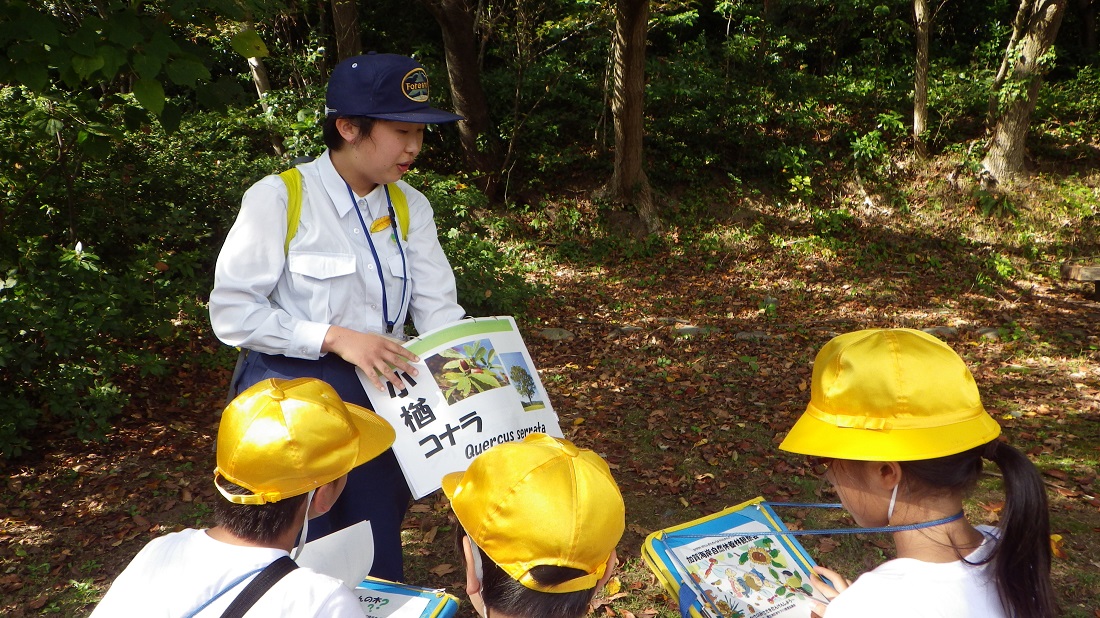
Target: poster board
[(476, 387)]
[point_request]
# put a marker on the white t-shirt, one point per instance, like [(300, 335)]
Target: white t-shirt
[(174, 574), (908, 588)]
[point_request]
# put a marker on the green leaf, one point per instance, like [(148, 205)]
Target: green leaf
[(82, 41), (31, 75), (37, 27), (124, 29), (86, 65), (249, 44), (113, 59), (150, 94), (185, 72), (170, 118), (146, 66), (134, 117), (54, 126)]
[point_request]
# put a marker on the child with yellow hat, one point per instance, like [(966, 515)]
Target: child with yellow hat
[(896, 420), (285, 448), (540, 521)]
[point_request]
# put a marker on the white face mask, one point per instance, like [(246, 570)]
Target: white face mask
[(475, 554), (301, 543), (893, 499)]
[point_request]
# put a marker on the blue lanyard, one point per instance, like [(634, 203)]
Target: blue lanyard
[(233, 584), (378, 263), (689, 597), (926, 524)]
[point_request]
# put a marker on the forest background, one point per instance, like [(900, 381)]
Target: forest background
[(680, 201)]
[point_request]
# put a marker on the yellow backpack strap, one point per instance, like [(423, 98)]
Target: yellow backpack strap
[(400, 208), (292, 178)]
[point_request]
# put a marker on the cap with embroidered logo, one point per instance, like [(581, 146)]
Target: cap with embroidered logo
[(890, 395), (385, 86), (282, 438), (542, 501)]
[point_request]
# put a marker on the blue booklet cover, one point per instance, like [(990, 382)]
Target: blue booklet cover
[(380, 598), (732, 565)]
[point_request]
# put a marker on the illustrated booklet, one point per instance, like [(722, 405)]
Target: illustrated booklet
[(476, 387), (380, 598), (732, 564)]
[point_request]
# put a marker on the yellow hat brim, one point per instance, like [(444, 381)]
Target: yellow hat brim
[(815, 437), (375, 433)]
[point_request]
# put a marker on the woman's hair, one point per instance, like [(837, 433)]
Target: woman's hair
[(259, 523), (501, 593), (332, 136), (1020, 562)]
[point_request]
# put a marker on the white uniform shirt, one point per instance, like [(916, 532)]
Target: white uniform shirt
[(175, 574), (283, 303), (908, 588)]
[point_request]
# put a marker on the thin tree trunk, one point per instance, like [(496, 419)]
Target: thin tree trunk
[(628, 181), (345, 26), (1089, 9), (259, 78), (1004, 160), (920, 78), (457, 19), (263, 85), (1018, 26)]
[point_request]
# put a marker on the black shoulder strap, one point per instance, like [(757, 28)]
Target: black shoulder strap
[(255, 589)]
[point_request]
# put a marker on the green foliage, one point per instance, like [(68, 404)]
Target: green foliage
[(489, 274), (473, 369), (62, 317)]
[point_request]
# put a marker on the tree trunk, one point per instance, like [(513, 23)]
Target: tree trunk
[(1004, 160), (263, 85), (259, 78), (457, 20), (1018, 26), (1089, 9), (345, 26), (920, 78), (628, 183)]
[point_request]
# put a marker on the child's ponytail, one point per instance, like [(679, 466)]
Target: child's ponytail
[(1021, 563)]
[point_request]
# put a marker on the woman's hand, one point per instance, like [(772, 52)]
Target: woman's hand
[(379, 357), (839, 584)]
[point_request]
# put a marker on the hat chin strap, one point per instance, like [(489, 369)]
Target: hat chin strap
[(300, 544), (893, 499)]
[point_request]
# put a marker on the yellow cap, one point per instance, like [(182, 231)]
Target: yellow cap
[(540, 502), (283, 438), (890, 395)]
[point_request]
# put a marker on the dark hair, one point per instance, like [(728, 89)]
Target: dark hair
[(508, 596), (332, 136), (1020, 562), (259, 523)]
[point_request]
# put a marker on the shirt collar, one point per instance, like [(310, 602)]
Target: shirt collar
[(334, 184)]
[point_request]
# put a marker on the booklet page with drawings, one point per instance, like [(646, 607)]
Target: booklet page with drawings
[(732, 565), (385, 599)]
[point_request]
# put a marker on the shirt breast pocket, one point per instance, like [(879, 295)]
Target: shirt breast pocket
[(398, 267), (321, 280)]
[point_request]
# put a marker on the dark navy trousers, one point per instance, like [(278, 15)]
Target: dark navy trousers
[(376, 490)]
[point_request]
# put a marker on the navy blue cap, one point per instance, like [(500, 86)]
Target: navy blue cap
[(385, 86)]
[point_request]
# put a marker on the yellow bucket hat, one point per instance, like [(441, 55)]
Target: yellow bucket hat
[(283, 438), (542, 501), (890, 395)]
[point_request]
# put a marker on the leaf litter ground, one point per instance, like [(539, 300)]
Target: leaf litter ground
[(689, 418)]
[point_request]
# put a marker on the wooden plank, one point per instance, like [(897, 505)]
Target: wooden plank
[(1080, 272)]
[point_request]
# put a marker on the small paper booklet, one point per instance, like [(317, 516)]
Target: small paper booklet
[(385, 599), (732, 565)]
